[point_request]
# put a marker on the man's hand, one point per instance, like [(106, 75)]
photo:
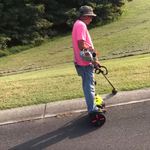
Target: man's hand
[(97, 65)]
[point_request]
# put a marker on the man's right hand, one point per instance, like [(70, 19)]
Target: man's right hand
[(96, 64)]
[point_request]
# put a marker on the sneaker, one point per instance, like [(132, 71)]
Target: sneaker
[(103, 110), (102, 105)]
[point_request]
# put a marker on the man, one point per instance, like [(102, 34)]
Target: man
[(81, 40)]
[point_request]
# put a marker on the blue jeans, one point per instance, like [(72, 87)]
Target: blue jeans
[(88, 84)]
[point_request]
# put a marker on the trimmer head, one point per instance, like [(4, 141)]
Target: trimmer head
[(114, 91), (104, 73)]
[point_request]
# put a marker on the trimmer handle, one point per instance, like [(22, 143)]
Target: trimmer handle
[(100, 70)]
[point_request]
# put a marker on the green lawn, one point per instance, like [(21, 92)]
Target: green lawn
[(56, 78), (62, 83)]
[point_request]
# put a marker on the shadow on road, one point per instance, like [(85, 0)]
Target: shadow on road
[(77, 127), (108, 96)]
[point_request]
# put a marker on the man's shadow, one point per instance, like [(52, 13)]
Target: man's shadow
[(77, 127)]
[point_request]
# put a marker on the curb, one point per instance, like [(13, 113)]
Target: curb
[(75, 105), (21, 114), (41, 111)]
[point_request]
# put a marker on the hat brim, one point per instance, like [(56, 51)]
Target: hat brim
[(93, 15)]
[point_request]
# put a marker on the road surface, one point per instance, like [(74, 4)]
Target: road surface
[(127, 128)]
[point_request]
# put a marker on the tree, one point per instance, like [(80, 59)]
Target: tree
[(26, 22)]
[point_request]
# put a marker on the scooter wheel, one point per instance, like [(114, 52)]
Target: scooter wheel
[(97, 119), (114, 91)]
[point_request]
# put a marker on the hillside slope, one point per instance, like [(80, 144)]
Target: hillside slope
[(125, 37)]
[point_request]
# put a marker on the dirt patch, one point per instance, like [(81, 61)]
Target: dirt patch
[(59, 116)]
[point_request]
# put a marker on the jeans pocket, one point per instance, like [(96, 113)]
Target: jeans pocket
[(79, 69)]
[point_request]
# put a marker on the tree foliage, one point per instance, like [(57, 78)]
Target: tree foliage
[(26, 22)]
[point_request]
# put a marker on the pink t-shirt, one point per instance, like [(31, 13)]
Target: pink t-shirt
[(80, 32)]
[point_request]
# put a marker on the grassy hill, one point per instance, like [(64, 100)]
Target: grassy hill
[(125, 37), (55, 77)]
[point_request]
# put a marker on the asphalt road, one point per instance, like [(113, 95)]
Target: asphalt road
[(127, 128)]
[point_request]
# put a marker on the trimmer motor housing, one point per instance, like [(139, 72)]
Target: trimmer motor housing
[(89, 55)]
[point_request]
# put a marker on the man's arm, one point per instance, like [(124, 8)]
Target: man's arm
[(81, 45)]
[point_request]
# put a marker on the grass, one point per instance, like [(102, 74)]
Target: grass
[(122, 38), (55, 77), (63, 83)]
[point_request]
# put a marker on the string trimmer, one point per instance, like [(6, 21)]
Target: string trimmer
[(104, 73)]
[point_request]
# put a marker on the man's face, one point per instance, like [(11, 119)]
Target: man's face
[(88, 20)]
